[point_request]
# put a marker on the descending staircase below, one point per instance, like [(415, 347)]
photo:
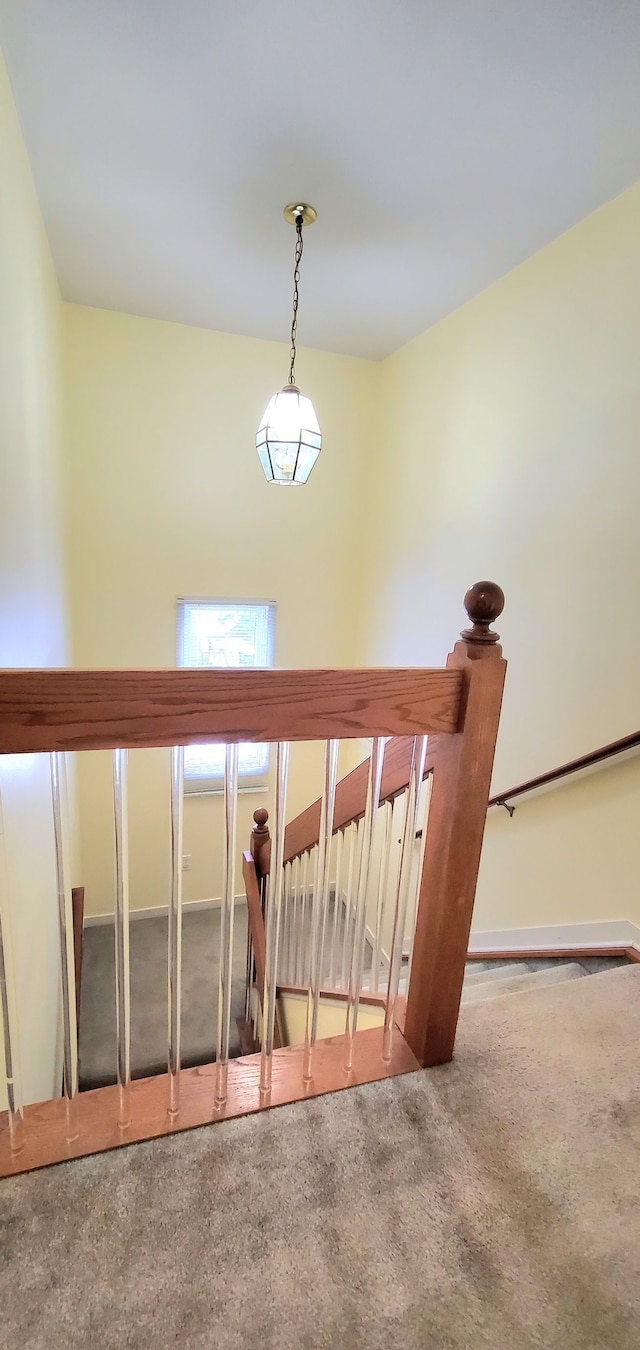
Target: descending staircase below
[(483, 980), (511, 979), (500, 978)]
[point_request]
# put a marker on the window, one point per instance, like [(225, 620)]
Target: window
[(225, 633)]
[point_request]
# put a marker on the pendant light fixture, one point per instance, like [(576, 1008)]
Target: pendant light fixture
[(289, 440)]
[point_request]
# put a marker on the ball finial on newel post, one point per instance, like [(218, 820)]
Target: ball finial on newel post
[(261, 841), (484, 602)]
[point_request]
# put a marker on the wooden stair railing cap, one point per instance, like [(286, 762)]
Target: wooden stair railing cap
[(484, 603)]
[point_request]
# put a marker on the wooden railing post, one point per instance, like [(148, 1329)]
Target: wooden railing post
[(457, 813), (254, 879), (255, 920), (260, 845)]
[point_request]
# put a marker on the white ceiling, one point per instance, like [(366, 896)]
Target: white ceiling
[(441, 141)]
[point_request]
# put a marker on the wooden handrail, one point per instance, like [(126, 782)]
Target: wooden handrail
[(572, 766), (44, 710)]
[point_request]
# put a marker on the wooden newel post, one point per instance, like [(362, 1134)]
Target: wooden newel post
[(260, 845), (457, 813)]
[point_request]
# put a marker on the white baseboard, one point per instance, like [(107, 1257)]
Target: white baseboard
[(189, 907), (609, 933)]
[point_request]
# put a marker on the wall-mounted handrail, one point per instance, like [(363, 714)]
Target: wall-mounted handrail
[(572, 766)]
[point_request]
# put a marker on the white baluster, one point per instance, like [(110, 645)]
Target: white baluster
[(302, 923), (383, 881), (8, 1006), (347, 939), (422, 819), (226, 920), (123, 983), (337, 908), (355, 981), (320, 902), (283, 969), (410, 825), (60, 804), (275, 886), (174, 935)]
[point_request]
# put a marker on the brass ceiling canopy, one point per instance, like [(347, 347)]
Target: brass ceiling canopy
[(296, 211)]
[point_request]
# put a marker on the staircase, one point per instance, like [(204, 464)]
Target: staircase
[(503, 981), (359, 912), (397, 843), (499, 979)]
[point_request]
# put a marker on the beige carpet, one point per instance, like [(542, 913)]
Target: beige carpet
[(492, 1203)]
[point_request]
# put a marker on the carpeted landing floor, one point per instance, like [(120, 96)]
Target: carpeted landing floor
[(494, 1202), (148, 953)]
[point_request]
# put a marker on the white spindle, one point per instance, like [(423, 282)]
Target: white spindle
[(357, 963), (347, 938), (8, 1007), (174, 935), (283, 970), (320, 901), (410, 824), (275, 882), (123, 984), (295, 919), (301, 951), (226, 920), (422, 820), (337, 908), (60, 804), (383, 882)]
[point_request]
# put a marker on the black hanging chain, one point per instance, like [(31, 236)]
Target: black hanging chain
[(296, 297)]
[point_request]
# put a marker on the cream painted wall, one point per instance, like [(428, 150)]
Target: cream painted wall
[(509, 449), (569, 855), (506, 447), (32, 610), (166, 498), (331, 1018)]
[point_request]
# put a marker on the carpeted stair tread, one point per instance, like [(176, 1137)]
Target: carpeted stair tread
[(522, 984), (484, 976)]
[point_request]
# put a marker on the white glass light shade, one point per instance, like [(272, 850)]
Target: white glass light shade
[(288, 440)]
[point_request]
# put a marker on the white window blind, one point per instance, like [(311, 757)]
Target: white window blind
[(230, 634)]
